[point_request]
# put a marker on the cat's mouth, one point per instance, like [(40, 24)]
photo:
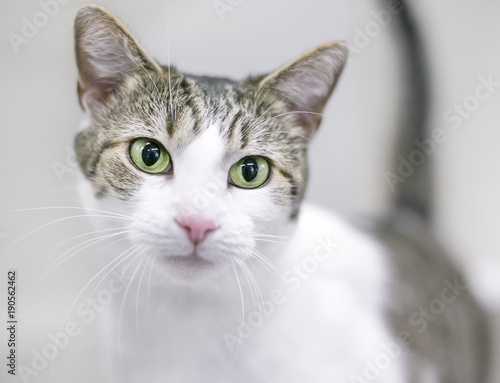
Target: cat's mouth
[(188, 261), (191, 268)]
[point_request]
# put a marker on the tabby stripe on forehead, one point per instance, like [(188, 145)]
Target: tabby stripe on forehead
[(224, 110), (190, 103), (196, 113), (244, 135), (232, 125), (170, 127), (239, 96)]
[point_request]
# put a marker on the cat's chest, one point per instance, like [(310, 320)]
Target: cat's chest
[(321, 310), (293, 338)]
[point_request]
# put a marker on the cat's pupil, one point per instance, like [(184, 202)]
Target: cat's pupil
[(150, 154), (249, 169)]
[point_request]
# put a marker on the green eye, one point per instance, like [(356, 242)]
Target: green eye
[(149, 156), (249, 172)]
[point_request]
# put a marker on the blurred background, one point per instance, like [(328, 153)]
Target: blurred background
[(234, 38)]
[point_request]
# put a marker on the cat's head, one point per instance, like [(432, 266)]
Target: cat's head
[(205, 166)]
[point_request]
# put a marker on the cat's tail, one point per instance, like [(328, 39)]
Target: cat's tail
[(410, 178), (411, 181)]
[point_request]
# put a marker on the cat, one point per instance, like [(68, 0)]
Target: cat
[(247, 282)]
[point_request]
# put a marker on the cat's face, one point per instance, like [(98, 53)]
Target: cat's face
[(206, 167)]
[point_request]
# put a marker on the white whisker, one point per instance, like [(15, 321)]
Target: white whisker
[(242, 318), (256, 255), (61, 220), (122, 307), (149, 278), (82, 290), (58, 262), (62, 243), (69, 207), (150, 257)]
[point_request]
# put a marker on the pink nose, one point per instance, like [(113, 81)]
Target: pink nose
[(197, 227)]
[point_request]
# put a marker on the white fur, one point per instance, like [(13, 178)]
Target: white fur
[(330, 323)]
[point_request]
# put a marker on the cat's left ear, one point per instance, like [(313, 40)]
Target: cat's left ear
[(307, 83), (106, 53)]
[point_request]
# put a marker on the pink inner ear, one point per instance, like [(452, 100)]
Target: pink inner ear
[(95, 83), (197, 227), (91, 99), (106, 53)]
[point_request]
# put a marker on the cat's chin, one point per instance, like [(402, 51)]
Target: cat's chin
[(192, 261), (189, 269)]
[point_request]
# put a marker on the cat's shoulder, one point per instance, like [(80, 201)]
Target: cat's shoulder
[(352, 251), (316, 221)]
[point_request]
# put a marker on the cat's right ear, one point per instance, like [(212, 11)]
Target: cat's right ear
[(106, 52)]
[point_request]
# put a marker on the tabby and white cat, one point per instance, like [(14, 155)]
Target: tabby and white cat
[(247, 283)]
